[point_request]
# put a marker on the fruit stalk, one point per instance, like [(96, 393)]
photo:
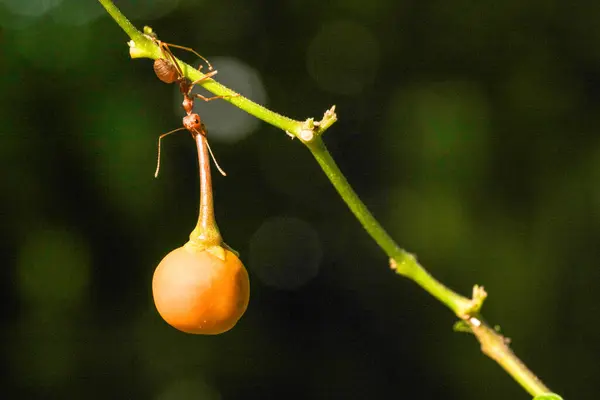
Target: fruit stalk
[(206, 233)]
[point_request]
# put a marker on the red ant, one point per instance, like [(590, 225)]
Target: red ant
[(168, 70)]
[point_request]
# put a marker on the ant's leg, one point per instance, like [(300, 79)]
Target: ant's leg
[(150, 34), (170, 57), (199, 96), (210, 67), (205, 77)]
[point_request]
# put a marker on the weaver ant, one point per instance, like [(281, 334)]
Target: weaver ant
[(168, 70)]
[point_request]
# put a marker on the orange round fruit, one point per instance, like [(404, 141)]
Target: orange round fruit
[(196, 291)]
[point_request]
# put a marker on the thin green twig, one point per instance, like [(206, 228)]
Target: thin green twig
[(404, 263)]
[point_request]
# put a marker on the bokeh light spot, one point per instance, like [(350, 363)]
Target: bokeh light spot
[(31, 8), (44, 353), (117, 136), (16, 22), (343, 57), (285, 253), (53, 268), (54, 47), (77, 12), (149, 9), (447, 125), (227, 123)]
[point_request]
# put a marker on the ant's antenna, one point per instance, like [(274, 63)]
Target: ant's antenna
[(210, 67), (214, 159), (158, 158)]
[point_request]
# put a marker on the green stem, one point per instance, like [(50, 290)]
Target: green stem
[(120, 19), (404, 263)]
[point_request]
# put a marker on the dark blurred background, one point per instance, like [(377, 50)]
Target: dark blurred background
[(470, 129)]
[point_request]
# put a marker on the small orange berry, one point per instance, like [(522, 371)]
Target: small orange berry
[(197, 291)]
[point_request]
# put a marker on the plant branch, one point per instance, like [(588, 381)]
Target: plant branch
[(404, 263), (143, 46), (120, 19), (493, 344)]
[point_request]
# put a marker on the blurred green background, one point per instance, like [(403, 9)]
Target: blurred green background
[(469, 128)]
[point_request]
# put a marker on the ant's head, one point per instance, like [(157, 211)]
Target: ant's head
[(193, 123)]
